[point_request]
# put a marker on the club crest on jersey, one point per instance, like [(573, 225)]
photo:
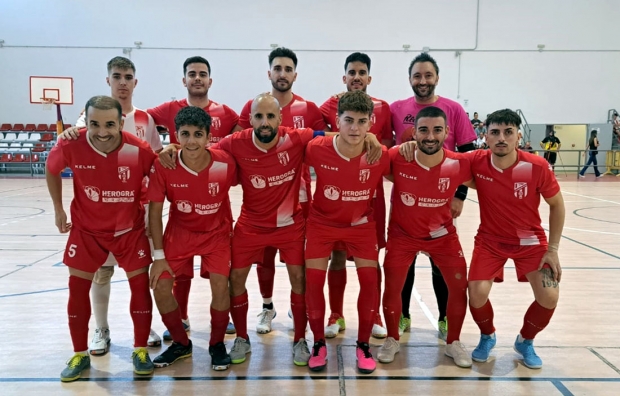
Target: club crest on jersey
[(152, 168), (444, 184), (216, 122), (373, 118), (184, 206), (407, 198), (123, 173), (258, 181), (92, 193), (298, 121), (214, 188), (283, 158), (331, 192), (140, 132), (520, 190), (364, 175)]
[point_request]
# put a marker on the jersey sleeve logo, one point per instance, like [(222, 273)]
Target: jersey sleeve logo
[(123, 173), (283, 158), (258, 181), (216, 123), (140, 131), (407, 198), (184, 206), (214, 188), (298, 122), (444, 184), (92, 193), (331, 192), (364, 175), (152, 168), (520, 190)]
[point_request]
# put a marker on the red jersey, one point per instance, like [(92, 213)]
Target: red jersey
[(270, 178), (223, 118), (422, 195), (299, 113), (381, 117), (198, 201), (509, 198), (349, 181), (106, 187)]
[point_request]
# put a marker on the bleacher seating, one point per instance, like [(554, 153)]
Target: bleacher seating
[(24, 147)]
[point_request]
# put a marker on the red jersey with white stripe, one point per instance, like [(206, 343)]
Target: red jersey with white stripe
[(422, 195), (381, 117), (198, 200), (344, 186), (223, 118), (509, 198), (270, 178), (106, 187)]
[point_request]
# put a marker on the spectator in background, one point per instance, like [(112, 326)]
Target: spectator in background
[(475, 121), (615, 142), (551, 144), (528, 147), (592, 149), (480, 129), (481, 141)]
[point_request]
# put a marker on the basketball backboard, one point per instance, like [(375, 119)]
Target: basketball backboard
[(60, 89)]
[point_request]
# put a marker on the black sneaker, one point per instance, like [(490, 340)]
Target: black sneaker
[(220, 359), (172, 354)]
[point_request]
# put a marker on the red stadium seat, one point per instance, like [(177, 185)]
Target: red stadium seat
[(52, 128), (17, 128), (6, 157), (38, 148), (41, 128), (6, 127), (35, 157), (30, 127), (47, 137), (19, 157)]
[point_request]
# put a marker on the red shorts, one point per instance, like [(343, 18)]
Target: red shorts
[(489, 258), (86, 252), (181, 245), (359, 241), (445, 251), (249, 243), (378, 207)]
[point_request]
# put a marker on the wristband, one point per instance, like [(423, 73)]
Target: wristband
[(158, 254), (318, 133)]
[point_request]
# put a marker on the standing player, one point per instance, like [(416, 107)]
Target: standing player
[(296, 113), (357, 78), (424, 77), (421, 219), (122, 81), (197, 80), (510, 184), (107, 217), (200, 224), (342, 213)]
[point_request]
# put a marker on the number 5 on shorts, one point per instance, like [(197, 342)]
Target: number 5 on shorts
[(71, 250)]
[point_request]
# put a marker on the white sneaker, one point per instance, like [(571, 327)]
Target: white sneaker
[(301, 353), (379, 331), (264, 321), (154, 339), (387, 351), (100, 344), (335, 325), (457, 351)]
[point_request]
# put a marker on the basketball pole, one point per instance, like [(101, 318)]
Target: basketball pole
[(60, 126)]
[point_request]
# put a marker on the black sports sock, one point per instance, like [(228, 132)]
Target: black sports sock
[(405, 295), (441, 290), (268, 306)]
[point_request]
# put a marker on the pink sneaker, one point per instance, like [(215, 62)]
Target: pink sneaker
[(365, 362), (318, 360)]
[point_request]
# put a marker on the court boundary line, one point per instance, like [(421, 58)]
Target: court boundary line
[(603, 359)]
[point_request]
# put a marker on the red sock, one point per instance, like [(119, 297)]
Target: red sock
[(78, 310), (239, 314), (456, 280), (336, 282), (536, 319), (483, 317), (172, 321), (266, 272), (315, 301), (300, 317), (141, 309), (219, 322), (366, 302), (180, 290), (392, 303)]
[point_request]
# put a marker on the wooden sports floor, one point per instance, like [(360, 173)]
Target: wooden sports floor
[(580, 348)]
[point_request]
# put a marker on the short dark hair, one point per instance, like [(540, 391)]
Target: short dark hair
[(356, 101), (423, 57), (430, 112), (122, 63), (194, 116), (505, 116), (282, 52), (103, 102), (196, 59), (357, 57)]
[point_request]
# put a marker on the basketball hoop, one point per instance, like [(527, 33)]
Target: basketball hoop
[(48, 103)]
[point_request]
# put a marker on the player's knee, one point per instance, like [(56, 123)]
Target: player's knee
[(163, 290), (103, 276), (478, 293), (548, 299)]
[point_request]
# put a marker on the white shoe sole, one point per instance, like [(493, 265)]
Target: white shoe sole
[(101, 352), (466, 365)]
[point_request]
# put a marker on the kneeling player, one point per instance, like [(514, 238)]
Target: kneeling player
[(341, 212), (200, 225)]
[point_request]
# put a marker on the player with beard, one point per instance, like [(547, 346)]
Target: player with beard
[(421, 219), (296, 113), (424, 77), (357, 78)]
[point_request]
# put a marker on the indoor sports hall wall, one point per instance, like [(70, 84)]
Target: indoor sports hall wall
[(574, 79)]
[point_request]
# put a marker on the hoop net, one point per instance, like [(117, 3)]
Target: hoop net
[(47, 103)]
